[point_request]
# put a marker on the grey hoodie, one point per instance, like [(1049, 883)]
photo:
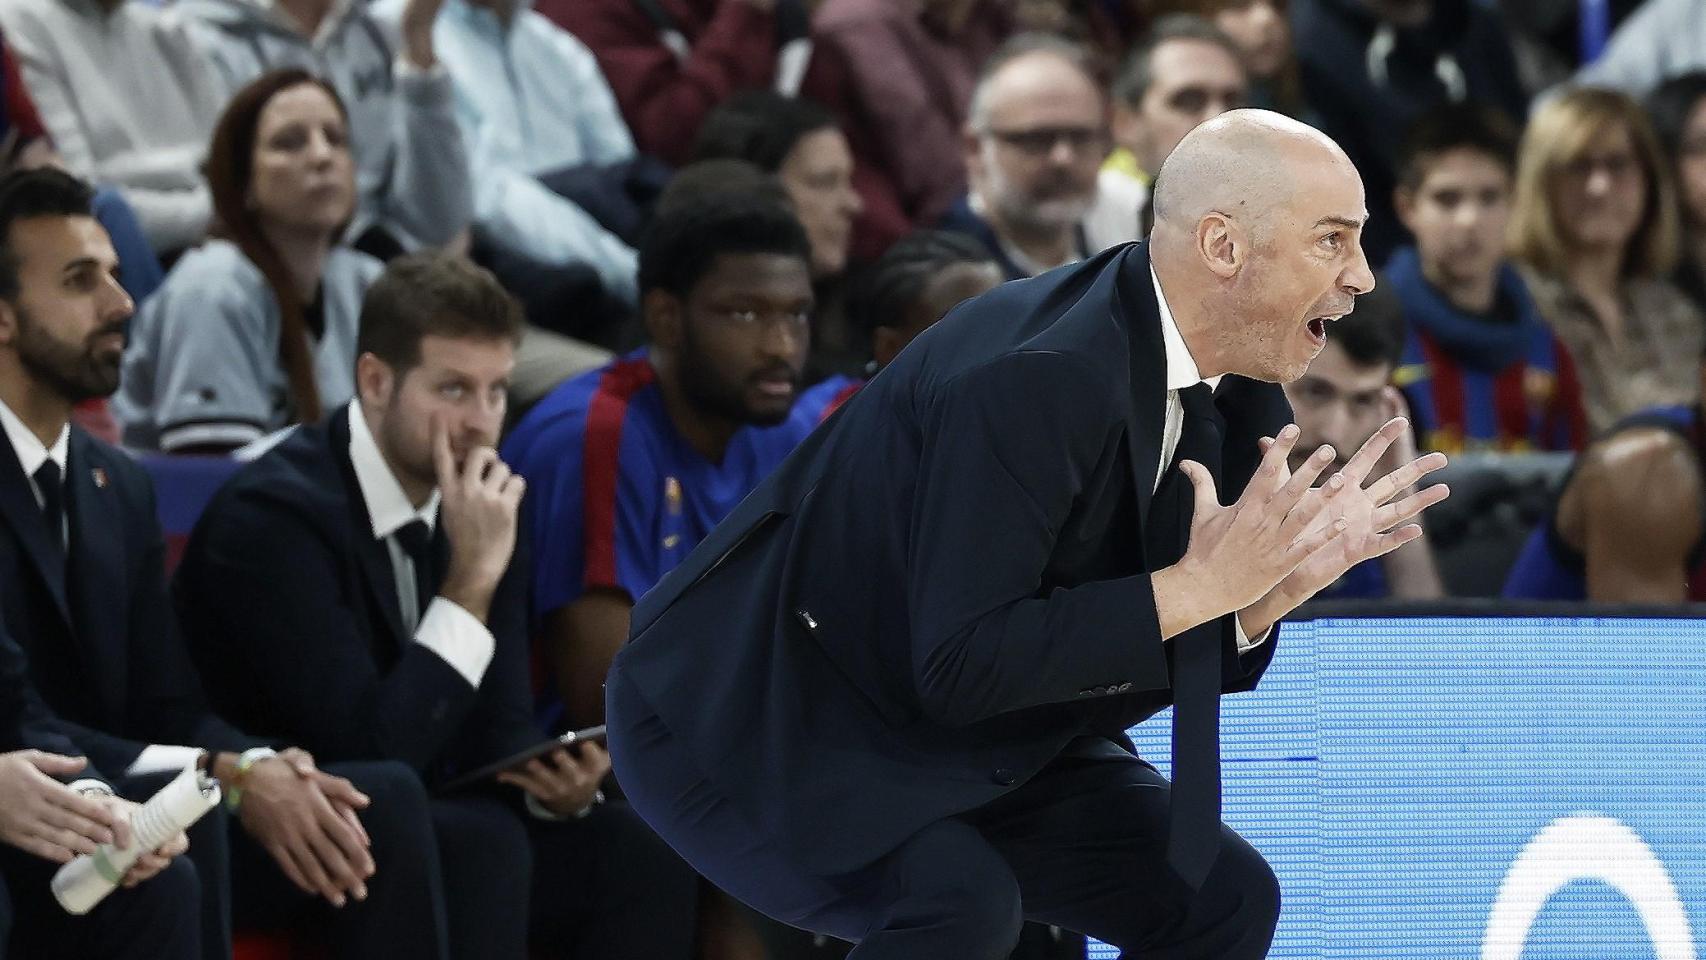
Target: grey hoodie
[(411, 165), (1662, 39)]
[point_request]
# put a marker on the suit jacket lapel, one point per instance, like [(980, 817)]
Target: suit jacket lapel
[(1136, 310), (373, 557), (22, 513), (96, 571)]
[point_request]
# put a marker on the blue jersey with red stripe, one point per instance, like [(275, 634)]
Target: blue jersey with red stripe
[(821, 400), (615, 495), (1533, 405)]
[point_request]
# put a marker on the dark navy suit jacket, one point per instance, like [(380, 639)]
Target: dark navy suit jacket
[(290, 606), (947, 585), (103, 644)]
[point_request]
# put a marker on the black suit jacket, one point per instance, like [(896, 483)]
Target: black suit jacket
[(103, 645), (946, 585), (291, 609), (25, 722)]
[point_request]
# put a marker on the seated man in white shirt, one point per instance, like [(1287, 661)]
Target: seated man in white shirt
[(361, 590)]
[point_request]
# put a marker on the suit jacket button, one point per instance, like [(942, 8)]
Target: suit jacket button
[(1004, 777)]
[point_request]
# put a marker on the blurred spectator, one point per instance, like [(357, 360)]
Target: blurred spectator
[(1481, 369), (256, 331), (23, 138), (1629, 525), (122, 92), (1661, 39), (923, 276), (1183, 72), (899, 74), (1552, 40), (1262, 34), (1034, 141), (1370, 68), (670, 62), (1596, 228), (542, 128), (799, 142), (1678, 110), (412, 177), (400, 632), (1342, 400)]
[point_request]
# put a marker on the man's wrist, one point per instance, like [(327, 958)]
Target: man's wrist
[(238, 781)]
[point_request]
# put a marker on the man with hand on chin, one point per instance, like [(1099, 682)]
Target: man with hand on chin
[(924, 755), (360, 589)]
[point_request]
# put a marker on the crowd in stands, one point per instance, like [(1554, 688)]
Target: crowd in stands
[(480, 315)]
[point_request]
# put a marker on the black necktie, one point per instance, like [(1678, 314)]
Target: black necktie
[(49, 482), (416, 540), (1193, 839)]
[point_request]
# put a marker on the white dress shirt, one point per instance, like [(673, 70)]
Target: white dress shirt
[(1182, 372), (446, 629)]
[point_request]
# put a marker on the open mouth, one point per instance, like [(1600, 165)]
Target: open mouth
[(1318, 328)]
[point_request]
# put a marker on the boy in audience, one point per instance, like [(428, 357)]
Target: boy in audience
[(45, 821), (412, 173), (1481, 369), (360, 589), (1345, 397), (1034, 140), (82, 590)]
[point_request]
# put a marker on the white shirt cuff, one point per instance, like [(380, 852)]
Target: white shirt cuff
[(539, 810), (1245, 644), (158, 758), (459, 637)]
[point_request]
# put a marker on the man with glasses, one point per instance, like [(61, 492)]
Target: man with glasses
[(1036, 134)]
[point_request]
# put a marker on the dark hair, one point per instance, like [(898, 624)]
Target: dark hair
[(1136, 72), (761, 127), (25, 194), (682, 242), (711, 177), (1670, 106), (898, 278), (229, 167), (430, 293), (1458, 126), (1372, 334)]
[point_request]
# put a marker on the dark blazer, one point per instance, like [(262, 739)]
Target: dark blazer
[(25, 722), (103, 644), (945, 586), (290, 607)]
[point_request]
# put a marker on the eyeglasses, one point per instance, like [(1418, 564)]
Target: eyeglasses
[(1041, 141)]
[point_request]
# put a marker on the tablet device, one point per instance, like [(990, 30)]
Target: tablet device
[(489, 772)]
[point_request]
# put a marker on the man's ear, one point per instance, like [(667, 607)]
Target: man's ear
[(664, 315), (1404, 202), (375, 382), (1222, 244)]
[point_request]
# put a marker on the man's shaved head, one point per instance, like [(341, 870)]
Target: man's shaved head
[(1258, 218)]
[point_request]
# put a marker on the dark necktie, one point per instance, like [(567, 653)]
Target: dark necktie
[(50, 483), (1193, 838), (416, 540)]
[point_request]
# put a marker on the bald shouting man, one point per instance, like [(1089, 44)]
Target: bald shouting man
[(885, 700)]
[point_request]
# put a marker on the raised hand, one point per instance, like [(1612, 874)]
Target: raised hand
[(1373, 518), (1239, 553), (480, 501)]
